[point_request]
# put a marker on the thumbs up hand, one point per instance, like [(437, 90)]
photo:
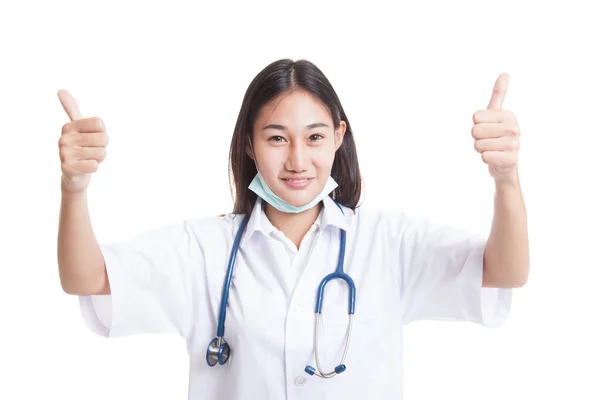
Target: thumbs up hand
[(496, 133), (82, 146)]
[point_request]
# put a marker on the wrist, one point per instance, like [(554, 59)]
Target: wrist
[(510, 182), (70, 193)]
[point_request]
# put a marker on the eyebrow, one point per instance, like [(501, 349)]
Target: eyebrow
[(283, 128)]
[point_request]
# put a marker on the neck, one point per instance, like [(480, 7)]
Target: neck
[(293, 226)]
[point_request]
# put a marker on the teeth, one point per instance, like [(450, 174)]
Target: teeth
[(297, 180)]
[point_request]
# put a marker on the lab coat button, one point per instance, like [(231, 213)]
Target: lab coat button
[(301, 380)]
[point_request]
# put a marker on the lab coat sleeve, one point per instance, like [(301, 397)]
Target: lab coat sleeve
[(151, 278), (442, 276)]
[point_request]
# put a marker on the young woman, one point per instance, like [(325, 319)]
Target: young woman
[(299, 293)]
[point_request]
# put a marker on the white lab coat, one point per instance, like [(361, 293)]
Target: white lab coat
[(405, 268)]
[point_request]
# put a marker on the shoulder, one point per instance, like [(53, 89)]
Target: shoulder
[(214, 228), (395, 223), (366, 216)]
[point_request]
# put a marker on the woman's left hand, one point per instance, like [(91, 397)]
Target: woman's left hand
[(496, 133)]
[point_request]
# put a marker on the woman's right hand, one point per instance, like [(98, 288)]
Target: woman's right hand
[(82, 146)]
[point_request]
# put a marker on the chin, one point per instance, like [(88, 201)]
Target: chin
[(297, 199)]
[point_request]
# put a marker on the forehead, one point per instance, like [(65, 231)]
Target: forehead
[(297, 107)]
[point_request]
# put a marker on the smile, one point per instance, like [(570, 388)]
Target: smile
[(297, 183), (297, 180)]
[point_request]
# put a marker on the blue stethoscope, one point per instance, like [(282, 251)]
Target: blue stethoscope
[(218, 350)]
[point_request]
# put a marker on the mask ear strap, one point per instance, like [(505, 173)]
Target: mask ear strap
[(336, 135)]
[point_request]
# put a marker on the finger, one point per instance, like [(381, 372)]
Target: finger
[(90, 153), (500, 158), (80, 167), (486, 130), (69, 104), (499, 92), (95, 139), (485, 116), (90, 125), (71, 156), (497, 144), (85, 125)]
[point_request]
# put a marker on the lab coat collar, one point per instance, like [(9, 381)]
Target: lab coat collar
[(330, 215), (333, 216)]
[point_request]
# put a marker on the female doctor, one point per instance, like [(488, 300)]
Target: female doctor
[(299, 293)]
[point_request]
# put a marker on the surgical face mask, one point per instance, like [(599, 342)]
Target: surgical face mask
[(260, 187)]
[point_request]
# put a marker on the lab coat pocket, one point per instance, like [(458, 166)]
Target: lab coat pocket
[(371, 325), (334, 329), (333, 336)]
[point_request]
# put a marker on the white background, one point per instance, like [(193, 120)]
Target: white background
[(168, 80)]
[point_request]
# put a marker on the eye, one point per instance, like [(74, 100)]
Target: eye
[(316, 136), (276, 139)]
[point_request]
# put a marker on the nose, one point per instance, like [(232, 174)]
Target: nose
[(297, 158)]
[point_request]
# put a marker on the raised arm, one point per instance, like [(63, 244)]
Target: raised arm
[(82, 146), (80, 262)]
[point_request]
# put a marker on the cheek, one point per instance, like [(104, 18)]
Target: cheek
[(323, 164), (323, 156), (270, 162), (270, 174)]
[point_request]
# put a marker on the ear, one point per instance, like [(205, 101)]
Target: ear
[(339, 135)]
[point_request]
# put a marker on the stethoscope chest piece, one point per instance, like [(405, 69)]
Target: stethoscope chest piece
[(218, 351)]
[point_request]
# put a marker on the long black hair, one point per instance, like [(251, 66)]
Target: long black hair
[(280, 77)]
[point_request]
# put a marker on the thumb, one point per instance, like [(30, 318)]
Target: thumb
[(499, 92), (69, 104)]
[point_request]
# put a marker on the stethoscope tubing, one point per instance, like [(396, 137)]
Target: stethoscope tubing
[(218, 351)]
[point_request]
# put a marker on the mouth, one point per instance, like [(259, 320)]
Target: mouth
[(297, 183)]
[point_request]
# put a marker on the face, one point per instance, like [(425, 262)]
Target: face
[(295, 143)]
